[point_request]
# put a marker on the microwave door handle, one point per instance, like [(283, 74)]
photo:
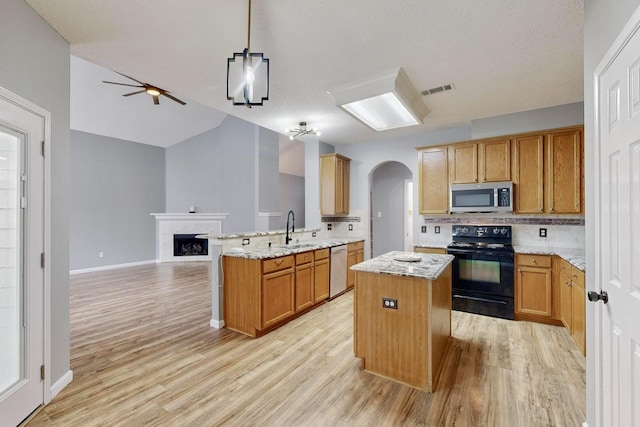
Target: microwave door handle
[(495, 197)]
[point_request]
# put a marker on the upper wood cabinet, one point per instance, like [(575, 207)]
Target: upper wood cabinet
[(487, 161), (528, 176), (433, 179), (494, 160), (463, 163), (564, 172), (334, 184)]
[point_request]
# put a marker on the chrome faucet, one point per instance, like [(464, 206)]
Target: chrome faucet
[(287, 239)]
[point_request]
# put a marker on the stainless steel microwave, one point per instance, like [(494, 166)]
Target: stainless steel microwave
[(484, 197)]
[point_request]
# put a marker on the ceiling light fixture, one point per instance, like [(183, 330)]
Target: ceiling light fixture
[(387, 101), (248, 75), (302, 131)]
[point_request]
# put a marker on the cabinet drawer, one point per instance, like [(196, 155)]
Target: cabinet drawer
[(355, 246), (276, 264), (304, 258), (321, 254), (534, 260)]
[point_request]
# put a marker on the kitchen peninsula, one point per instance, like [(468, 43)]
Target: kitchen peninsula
[(402, 316)]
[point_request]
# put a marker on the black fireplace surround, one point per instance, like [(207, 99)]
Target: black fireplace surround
[(188, 245)]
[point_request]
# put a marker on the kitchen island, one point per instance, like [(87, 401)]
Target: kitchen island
[(402, 316)]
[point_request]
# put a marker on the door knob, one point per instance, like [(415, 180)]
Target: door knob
[(595, 297)]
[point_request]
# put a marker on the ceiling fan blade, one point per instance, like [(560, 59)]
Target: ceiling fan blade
[(174, 98), (129, 77), (134, 93), (121, 84), (156, 100)]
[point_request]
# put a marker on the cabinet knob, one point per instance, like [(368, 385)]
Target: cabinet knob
[(534, 261)]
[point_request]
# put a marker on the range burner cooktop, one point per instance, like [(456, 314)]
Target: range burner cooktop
[(481, 237)]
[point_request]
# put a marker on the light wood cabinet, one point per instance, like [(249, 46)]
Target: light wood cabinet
[(573, 302), (433, 177), (355, 255), (463, 163), (321, 275), (278, 300), (335, 171), (494, 160), (564, 172), (429, 250), (533, 287), (304, 285), (528, 180), (486, 161), (260, 295)]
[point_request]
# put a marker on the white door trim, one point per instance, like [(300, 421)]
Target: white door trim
[(46, 115), (594, 336)]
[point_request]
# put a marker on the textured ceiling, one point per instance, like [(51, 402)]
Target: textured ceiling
[(502, 55)]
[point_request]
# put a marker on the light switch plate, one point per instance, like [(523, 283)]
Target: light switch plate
[(436, 229), (542, 232), (350, 227), (423, 229)]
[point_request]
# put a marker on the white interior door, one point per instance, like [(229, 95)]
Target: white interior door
[(617, 272), (21, 273)]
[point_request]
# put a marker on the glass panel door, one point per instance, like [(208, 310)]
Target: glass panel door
[(12, 332)]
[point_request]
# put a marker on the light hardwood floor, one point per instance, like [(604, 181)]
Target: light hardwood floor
[(142, 353)]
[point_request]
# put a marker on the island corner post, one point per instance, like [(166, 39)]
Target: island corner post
[(402, 323)]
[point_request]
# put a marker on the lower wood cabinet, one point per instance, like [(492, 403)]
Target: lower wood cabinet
[(533, 294), (424, 250), (551, 290), (355, 255), (321, 275), (260, 295)]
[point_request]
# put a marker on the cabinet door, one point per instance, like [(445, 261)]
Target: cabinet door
[(533, 291), (304, 286), (528, 174), (564, 172), (578, 309), (277, 297), (339, 191), (321, 281), (344, 187), (494, 160), (463, 163), (352, 259), (434, 181), (566, 304)]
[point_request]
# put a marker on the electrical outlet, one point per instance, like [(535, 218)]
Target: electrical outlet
[(329, 227), (350, 227), (390, 303), (245, 242), (542, 232), (313, 234), (101, 255), (436, 229), (423, 229)]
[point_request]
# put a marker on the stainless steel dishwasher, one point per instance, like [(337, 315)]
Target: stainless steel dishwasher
[(338, 283)]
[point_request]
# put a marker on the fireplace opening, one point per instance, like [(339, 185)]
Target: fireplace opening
[(188, 245)]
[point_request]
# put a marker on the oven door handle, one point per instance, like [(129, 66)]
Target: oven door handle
[(495, 301)]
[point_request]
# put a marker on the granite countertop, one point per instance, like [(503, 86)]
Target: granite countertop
[(282, 250), (573, 256), (439, 245), (429, 267)]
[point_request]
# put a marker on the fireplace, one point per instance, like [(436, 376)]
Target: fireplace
[(188, 245)]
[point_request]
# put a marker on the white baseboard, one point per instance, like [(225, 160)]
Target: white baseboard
[(112, 267), (61, 383), (218, 324)]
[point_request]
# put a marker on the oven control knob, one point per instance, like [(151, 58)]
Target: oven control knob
[(464, 229), (503, 231), (496, 231)]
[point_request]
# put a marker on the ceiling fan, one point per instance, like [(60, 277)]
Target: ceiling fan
[(154, 91)]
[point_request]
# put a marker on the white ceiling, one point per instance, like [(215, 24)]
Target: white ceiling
[(503, 56)]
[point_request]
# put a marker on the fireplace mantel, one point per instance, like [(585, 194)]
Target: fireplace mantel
[(168, 224)]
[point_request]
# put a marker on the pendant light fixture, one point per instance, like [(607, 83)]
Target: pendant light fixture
[(248, 75), (302, 130)]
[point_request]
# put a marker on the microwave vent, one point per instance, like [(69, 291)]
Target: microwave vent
[(438, 89)]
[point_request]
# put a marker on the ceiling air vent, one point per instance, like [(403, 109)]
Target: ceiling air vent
[(438, 89)]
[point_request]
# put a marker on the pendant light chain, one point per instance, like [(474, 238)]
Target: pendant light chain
[(249, 29)]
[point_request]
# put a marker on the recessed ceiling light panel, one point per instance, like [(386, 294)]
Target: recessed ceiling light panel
[(387, 101)]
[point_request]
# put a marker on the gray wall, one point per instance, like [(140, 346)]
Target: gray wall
[(387, 197), (220, 170), (268, 175), (603, 20), (115, 185), (292, 198), (527, 121), (35, 66)]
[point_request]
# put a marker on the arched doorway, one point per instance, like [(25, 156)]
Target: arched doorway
[(390, 187)]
